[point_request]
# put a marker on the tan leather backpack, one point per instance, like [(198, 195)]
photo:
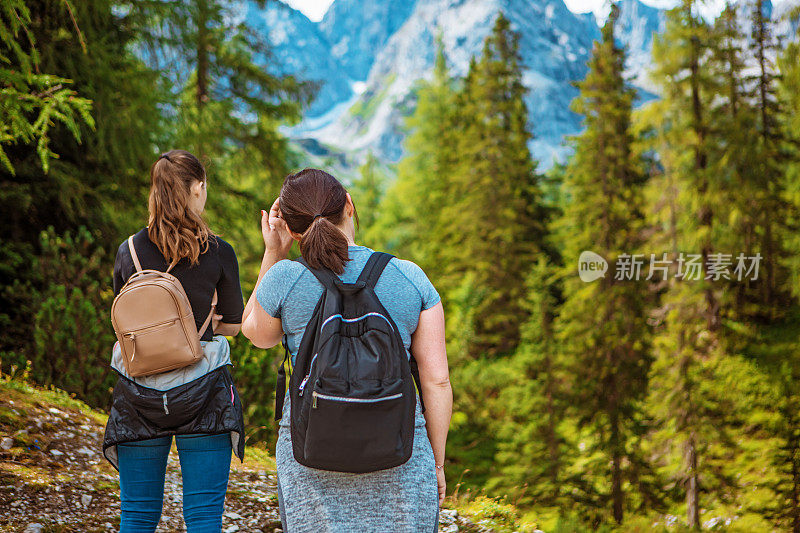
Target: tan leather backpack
[(154, 322)]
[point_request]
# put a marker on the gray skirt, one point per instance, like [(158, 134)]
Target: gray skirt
[(400, 499)]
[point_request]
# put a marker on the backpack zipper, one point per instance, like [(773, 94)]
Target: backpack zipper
[(143, 331), (305, 379), (148, 329), (316, 395)]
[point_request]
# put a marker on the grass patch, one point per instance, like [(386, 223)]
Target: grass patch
[(106, 486), (257, 459), (24, 395), (34, 478), (490, 512)]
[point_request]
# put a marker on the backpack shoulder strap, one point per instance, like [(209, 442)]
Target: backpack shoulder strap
[(374, 267), (370, 274), (280, 386), (135, 257), (325, 277), (207, 321), (138, 267)]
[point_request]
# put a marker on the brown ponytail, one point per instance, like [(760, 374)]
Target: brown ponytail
[(175, 229), (306, 194)]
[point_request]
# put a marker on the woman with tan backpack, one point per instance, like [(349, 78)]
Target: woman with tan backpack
[(177, 295)]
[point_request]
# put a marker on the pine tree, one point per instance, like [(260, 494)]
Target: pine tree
[(494, 213), (531, 448), (788, 94), (735, 165), (768, 157), (230, 109), (786, 507), (411, 212), (97, 183), (32, 101), (687, 345), (601, 325), (230, 96), (367, 192)]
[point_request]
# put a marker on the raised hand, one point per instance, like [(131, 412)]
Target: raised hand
[(277, 238)]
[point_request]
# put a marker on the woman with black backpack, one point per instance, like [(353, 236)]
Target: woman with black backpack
[(197, 402), (358, 449)]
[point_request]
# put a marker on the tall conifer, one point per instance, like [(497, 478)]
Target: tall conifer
[(687, 343), (424, 176), (495, 216), (768, 157), (532, 448), (602, 324)]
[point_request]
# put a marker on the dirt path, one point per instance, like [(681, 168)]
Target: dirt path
[(52, 474), (53, 478)]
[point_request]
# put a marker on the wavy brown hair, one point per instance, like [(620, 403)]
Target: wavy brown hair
[(305, 194), (174, 227)]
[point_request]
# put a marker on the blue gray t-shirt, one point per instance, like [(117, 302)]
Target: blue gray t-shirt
[(289, 291)]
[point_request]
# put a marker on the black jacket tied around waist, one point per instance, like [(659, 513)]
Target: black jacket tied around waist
[(209, 404)]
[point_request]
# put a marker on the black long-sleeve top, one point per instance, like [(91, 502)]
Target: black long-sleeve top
[(217, 269)]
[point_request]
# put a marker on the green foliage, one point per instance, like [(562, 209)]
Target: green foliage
[(493, 201), (255, 372), (687, 345), (599, 328), (662, 405), (228, 110), (367, 192), (493, 512), (97, 184), (411, 222), (32, 102), (531, 406), (72, 332), (789, 97)]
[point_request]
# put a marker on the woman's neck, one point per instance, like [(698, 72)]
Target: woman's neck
[(350, 238)]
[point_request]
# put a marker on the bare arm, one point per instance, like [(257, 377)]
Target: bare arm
[(223, 328), (428, 348), (263, 330)]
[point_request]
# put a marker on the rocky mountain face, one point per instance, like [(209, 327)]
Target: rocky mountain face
[(298, 48), (370, 55), (358, 30), (554, 44), (637, 25)]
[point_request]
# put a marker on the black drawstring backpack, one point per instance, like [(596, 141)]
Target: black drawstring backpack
[(352, 387)]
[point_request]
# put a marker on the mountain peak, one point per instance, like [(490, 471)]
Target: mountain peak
[(357, 30)]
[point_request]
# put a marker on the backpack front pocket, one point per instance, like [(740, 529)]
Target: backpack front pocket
[(341, 428), (164, 344)]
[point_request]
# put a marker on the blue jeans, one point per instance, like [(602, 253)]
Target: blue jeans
[(205, 462)]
